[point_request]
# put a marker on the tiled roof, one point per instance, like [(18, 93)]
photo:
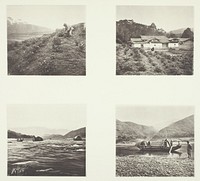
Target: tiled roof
[(162, 39)]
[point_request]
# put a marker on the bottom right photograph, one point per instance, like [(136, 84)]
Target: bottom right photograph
[(155, 141)]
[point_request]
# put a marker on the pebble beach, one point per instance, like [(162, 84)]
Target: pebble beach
[(154, 166)]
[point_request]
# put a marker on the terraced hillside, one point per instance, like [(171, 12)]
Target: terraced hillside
[(136, 61), (51, 54)]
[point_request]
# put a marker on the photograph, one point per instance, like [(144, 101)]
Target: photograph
[(154, 40), (46, 40), (46, 140), (154, 141)]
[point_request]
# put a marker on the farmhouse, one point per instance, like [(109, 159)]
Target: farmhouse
[(158, 42)]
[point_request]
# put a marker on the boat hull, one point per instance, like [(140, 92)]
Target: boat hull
[(159, 148)]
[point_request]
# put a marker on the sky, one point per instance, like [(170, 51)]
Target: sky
[(156, 116), (49, 16), (166, 17), (68, 117)]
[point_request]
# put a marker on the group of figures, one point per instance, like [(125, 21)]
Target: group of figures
[(166, 146)]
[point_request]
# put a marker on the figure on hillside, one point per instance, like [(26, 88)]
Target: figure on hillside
[(189, 149), (68, 30), (66, 27), (71, 29), (148, 143)]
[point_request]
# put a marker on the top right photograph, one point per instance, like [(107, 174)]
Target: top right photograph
[(154, 40)]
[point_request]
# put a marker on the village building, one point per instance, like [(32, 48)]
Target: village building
[(160, 42)]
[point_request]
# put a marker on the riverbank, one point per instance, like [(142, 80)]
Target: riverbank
[(154, 166)]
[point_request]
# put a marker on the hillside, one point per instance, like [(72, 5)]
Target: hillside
[(42, 131), (131, 131), (81, 132), (181, 128), (13, 134), (188, 33), (20, 27), (178, 32), (53, 137), (51, 54), (126, 29)]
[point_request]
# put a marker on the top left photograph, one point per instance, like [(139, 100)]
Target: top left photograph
[(46, 40)]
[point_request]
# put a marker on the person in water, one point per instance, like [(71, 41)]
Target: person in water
[(189, 149), (171, 143), (166, 142)]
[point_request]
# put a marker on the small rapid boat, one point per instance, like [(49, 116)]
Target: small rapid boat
[(20, 139), (158, 148)]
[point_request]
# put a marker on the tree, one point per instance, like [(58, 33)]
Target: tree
[(188, 34), (153, 25)]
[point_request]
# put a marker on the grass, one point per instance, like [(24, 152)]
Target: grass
[(171, 62)]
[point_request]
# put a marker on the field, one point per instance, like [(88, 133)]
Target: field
[(137, 61)]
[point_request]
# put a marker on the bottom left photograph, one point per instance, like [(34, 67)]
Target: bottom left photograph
[(46, 140)]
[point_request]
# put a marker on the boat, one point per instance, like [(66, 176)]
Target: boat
[(20, 139), (158, 148)]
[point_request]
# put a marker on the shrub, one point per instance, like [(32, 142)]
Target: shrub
[(56, 44), (154, 64), (142, 68), (150, 60), (81, 46), (157, 70), (56, 41), (157, 56), (47, 67), (150, 53), (163, 60)]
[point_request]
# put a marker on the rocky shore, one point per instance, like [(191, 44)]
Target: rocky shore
[(154, 166)]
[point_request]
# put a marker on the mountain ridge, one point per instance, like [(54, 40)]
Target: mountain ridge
[(21, 27), (71, 134), (126, 29), (180, 128), (126, 131), (81, 132), (132, 131)]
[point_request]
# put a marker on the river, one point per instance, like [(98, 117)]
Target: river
[(131, 149), (46, 158)]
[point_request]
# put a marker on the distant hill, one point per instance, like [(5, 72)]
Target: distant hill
[(126, 29), (188, 33), (181, 128), (20, 27), (179, 32), (132, 131), (81, 132), (13, 134), (51, 54), (53, 137), (41, 131)]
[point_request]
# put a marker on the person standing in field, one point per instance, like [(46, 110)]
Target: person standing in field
[(189, 149)]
